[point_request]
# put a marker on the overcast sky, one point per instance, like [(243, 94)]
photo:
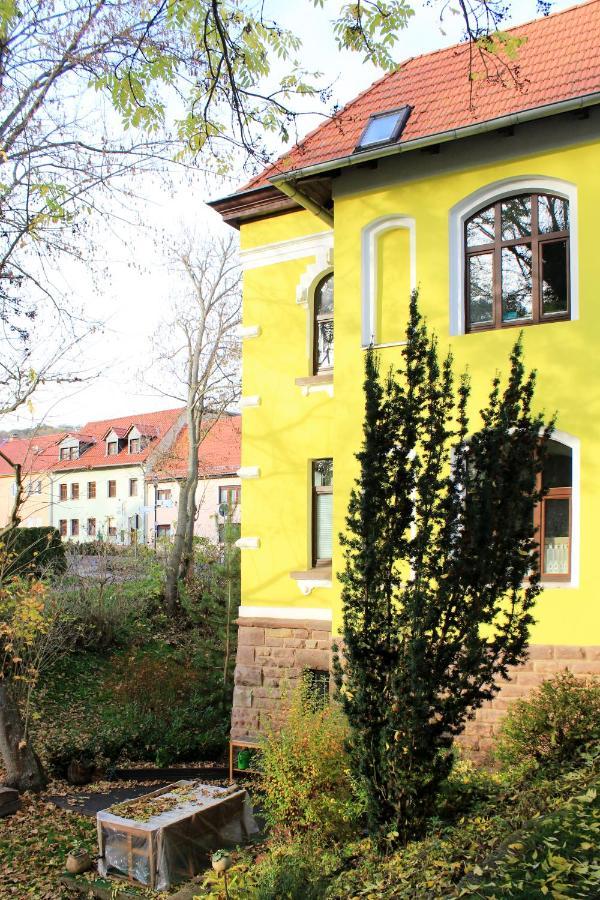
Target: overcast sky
[(132, 298)]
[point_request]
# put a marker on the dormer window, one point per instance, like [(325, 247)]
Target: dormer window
[(384, 128), (71, 452), (112, 448), (134, 445)]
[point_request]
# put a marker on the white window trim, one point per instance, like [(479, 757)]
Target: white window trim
[(574, 444), (369, 239), (489, 194)]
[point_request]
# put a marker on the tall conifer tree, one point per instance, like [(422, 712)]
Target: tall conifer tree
[(439, 583)]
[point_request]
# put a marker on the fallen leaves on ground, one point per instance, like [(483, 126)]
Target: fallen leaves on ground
[(35, 841)]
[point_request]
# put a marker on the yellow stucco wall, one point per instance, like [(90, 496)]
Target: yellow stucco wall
[(288, 429), (36, 508)]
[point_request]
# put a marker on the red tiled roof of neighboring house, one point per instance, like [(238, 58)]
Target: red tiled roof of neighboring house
[(35, 454), (559, 60), (218, 454), (95, 457), (119, 430)]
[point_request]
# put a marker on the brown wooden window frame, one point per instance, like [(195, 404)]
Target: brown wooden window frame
[(535, 240), (62, 491), (316, 561), (63, 527), (112, 488), (319, 319), (133, 487), (75, 491), (64, 453), (74, 527), (539, 521), (109, 448), (134, 445), (91, 527), (91, 490), (111, 530), (163, 494)]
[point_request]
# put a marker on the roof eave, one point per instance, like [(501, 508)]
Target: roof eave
[(528, 115)]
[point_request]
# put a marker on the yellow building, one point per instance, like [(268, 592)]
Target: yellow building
[(36, 455), (484, 193)]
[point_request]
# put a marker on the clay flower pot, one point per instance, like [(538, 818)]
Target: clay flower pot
[(78, 861), (221, 861)]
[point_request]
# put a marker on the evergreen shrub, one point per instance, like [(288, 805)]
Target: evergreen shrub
[(307, 783), (553, 725), (34, 552)]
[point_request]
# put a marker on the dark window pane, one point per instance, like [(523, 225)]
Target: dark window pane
[(324, 297), (516, 282), (324, 345), (324, 525), (558, 471), (553, 214), (556, 537), (323, 472), (481, 229), (554, 277), (481, 295), (516, 218)]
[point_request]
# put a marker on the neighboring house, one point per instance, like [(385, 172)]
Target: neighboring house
[(36, 455), (99, 476), (485, 194), (218, 496)]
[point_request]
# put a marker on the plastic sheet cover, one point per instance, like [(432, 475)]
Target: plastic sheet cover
[(165, 837)]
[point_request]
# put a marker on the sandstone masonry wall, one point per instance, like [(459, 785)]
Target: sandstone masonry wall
[(545, 660), (272, 654)]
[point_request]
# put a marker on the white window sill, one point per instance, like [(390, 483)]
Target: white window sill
[(319, 577), (314, 384)]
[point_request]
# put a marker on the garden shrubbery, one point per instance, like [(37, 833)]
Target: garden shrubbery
[(307, 785), (33, 552), (553, 725)]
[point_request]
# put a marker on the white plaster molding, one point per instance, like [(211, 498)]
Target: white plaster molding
[(282, 251), (369, 238), (285, 612), (316, 388), (322, 266), (485, 196), (247, 332), (247, 401), (248, 543), (249, 472), (307, 585), (563, 437)]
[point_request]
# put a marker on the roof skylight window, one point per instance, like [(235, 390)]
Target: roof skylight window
[(384, 128)]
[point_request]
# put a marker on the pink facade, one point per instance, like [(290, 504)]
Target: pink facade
[(210, 495)]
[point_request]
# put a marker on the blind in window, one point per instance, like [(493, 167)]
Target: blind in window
[(323, 525)]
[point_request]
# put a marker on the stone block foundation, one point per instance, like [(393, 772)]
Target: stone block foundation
[(545, 660), (272, 653), (271, 656)]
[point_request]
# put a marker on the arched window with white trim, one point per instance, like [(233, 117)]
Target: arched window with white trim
[(517, 262), (513, 255), (323, 326)]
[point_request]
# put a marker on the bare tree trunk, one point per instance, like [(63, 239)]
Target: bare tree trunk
[(176, 552), (23, 768)]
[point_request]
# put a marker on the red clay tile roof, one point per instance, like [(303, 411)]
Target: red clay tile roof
[(560, 60), (95, 457), (35, 454), (218, 454)]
